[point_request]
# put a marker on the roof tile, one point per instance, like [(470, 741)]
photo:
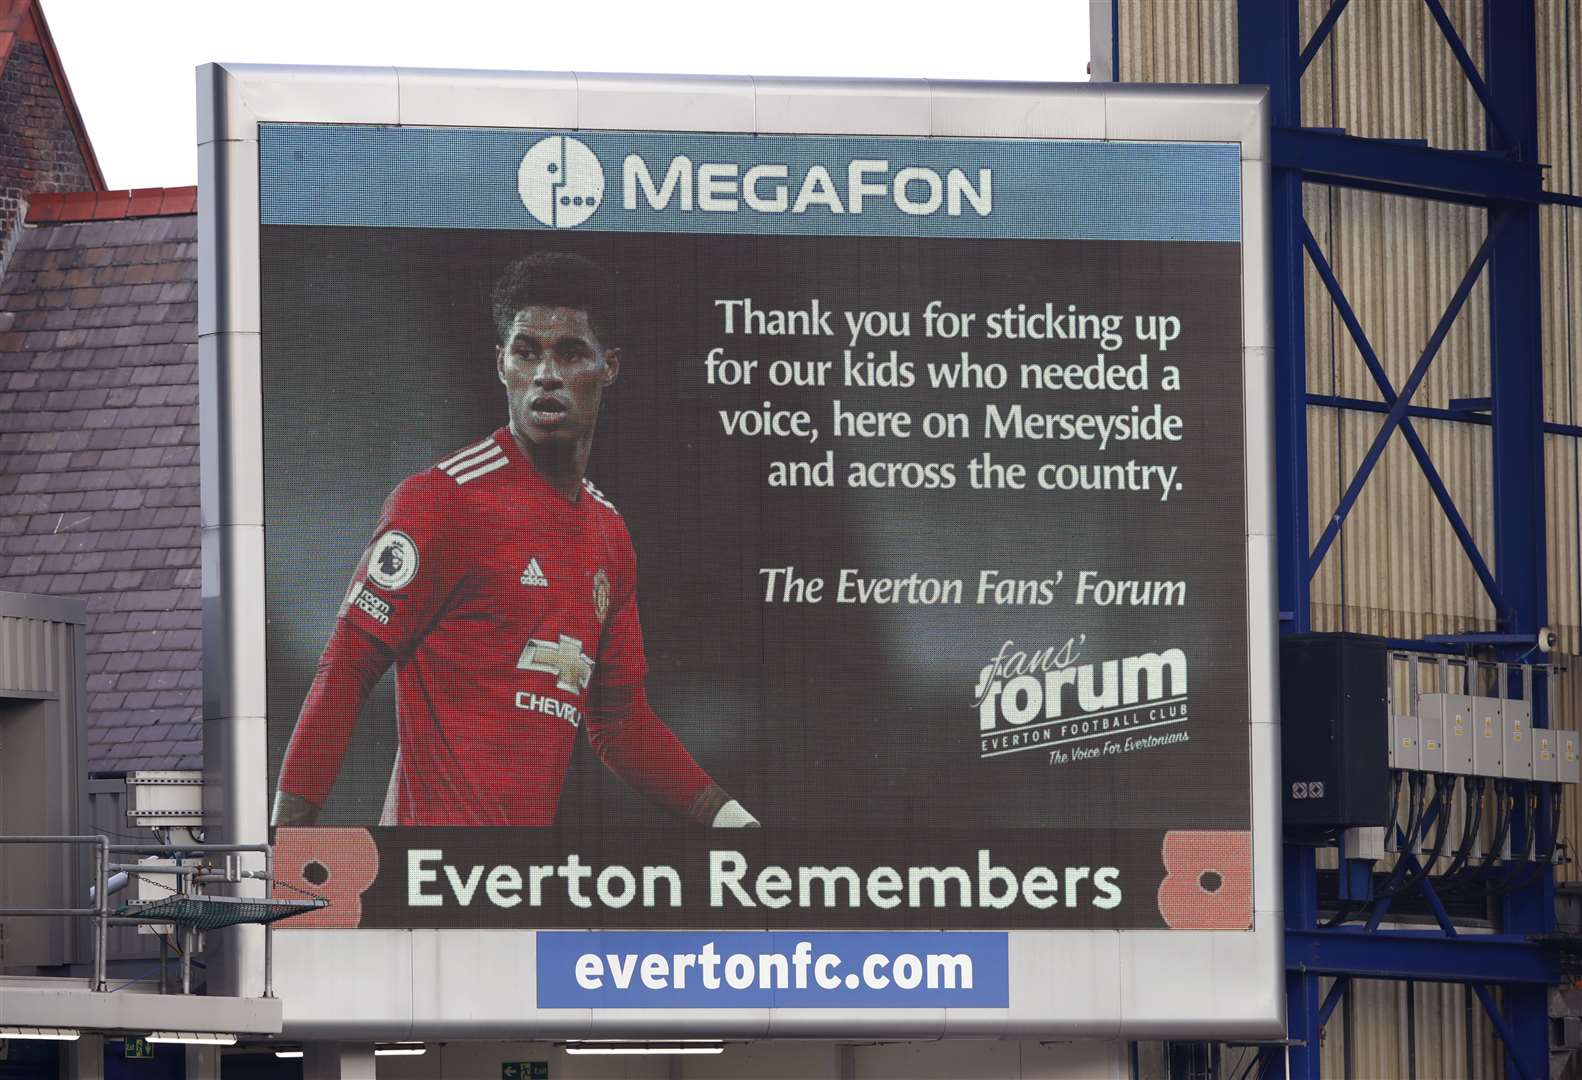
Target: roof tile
[(98, 459)]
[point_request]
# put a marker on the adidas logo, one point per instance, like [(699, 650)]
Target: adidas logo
[(533, 575)]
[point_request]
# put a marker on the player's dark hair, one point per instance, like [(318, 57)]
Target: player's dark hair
[(555, 279)]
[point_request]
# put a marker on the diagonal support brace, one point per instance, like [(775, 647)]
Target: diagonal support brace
[(1474, 78), (1397, 411), (1502, 1029), (1435, 483), (1320, 35)]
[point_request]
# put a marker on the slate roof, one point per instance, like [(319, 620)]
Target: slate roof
[(99, 457)]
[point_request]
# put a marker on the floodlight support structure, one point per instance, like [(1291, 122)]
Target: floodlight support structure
[(1507, 180)]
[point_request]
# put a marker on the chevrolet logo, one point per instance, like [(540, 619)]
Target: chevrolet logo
[(563, 659)]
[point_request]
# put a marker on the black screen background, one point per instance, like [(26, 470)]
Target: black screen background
[(378, 361)]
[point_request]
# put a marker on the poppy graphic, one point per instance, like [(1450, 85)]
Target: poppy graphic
[(1208, 880), (337, 864)]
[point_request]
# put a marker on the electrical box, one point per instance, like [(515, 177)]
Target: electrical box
[(1431, 741), (1405, 748), (1365, 844), (1546, 756), (1488, 737), (1570, 764), (149, 886), (164, 798), (1454, 711), (1518, 740), (1334, 730)]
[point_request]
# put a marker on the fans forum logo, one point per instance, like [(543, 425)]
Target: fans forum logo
[(1046, 697), (561, 182)]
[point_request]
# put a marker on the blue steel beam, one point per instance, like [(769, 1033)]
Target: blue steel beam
[(1303, 1008), (1427, 412), (1468, 68), (1406, 169), (1414, 380), (1320, 35), (1270, 51), (1508, 1035), (1267, 45), (1417, 412), (1510, 65), (1331, 999), (1516, 384), (1382, 380), (1427, 955)]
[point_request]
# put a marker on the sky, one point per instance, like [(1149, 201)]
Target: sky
[(131, 63)]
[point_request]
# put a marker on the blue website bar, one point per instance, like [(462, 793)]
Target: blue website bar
[(771, 969)]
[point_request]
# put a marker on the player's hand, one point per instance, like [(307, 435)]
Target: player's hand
[(733, 815), (293, 810)]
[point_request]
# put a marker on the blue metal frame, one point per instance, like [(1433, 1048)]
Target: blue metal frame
[(1501, 959), (1521, 557), (1397, 409), (1404, 168), (1507, 180)]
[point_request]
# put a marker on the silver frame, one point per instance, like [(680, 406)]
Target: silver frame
[(388, 984)]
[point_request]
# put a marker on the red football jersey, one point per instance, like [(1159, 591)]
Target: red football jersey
[(508, 609)]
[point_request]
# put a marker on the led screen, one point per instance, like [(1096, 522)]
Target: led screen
[(711, 531)]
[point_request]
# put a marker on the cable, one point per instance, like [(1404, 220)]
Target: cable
[(1410, 876), (1348, 908), (126, 835), (1531, 873), (1395, 799), (1469, 829), (1414, 820), (135, 979), (1505, 806), (1530, 844), (1442, 799)]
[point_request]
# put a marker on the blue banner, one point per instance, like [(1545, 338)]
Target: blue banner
[(769, 969), (501, 178)]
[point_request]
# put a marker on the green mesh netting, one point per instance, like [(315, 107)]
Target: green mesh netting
[(214, 912)]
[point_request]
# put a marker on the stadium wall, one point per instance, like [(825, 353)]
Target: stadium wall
[(1397, 569)]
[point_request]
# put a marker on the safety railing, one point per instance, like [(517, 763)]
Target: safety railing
[(189, 908)]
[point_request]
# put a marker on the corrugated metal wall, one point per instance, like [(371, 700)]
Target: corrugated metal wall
[(1566, 713), (1397, 568), (1560, 141), (36, 656), (1177, 41), (40, 760), (1451, 1037)]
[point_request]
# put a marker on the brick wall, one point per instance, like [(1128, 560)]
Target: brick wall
[(99, 467), (38, 150)]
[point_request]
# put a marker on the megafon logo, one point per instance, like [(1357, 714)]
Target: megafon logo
[(1044, 697), (561, 181), (725, 187)]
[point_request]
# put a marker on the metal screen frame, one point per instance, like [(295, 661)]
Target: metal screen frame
[(348, 984)]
